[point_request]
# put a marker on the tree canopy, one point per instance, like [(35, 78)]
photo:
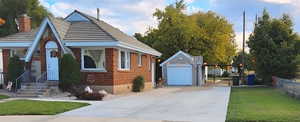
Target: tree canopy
[(205, 34), (11, 9), (248, 61), (272, 45)]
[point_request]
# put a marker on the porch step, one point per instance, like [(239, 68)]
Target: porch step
[(38, 89)]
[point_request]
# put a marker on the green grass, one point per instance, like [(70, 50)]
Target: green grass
[(262, 105), (32, 107), (3, 97)]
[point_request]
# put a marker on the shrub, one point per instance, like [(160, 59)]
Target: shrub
[(69, 73), (225, 74), (15, 68), (90, 96), (138, 84), (79, 93)]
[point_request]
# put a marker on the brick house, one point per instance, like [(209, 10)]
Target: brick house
[(109, 58)]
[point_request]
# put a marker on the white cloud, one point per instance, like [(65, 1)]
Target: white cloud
[(130, 17), (278, 1), (189, 1), (239, 40)]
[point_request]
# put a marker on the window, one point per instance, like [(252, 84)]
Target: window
[(18, 52), (139, 59), (124, 60), (93, 59)]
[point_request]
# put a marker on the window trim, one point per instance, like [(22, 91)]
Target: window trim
[(12, 53), (127, 60), (92, 69), (140, 59)]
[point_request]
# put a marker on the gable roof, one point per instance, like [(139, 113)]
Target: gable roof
[(175, 55), (86, 33), (120, 36), (22, 36)]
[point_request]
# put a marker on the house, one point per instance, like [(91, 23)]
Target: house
[(109, 58), (183, 69)]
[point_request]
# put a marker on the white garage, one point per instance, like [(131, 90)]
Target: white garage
[(179, 75), (182, 69)]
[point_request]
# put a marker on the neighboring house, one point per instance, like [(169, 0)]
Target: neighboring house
[(216, 71), (183, 69), (109, 58)]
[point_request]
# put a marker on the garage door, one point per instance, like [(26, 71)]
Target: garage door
[(179, 75)]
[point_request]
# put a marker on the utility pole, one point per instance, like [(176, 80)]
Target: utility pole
[(243, 56)]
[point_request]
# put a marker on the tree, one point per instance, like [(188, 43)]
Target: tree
[(272, 46), (15, 68), (11, 9), (192, 34), (249, 61), (220, 46), (69, 70)]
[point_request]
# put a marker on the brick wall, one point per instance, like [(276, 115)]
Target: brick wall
[(114, 76), (97, 78), (24, 23), (125, 77), (5, 55)]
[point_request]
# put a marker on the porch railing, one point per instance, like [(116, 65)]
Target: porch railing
[(41, 79), (22, 78)]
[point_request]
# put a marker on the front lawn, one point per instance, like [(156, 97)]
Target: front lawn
[(262, 105), (3, 97), (33, 107)]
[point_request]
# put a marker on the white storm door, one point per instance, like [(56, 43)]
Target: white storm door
[(52, 62)]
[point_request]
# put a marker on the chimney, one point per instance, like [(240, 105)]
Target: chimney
[(98, 14), (24, 23)]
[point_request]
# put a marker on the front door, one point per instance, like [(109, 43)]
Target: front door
[(52, 61)]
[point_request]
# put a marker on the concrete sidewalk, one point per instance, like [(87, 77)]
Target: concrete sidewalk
[(67, 119)]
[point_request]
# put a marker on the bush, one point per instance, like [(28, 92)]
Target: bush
[(69, 73), (79, 93), (90, 96), (15, 68), (138, 84), (225, 74)]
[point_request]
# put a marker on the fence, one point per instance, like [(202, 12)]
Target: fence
[(291, 87)]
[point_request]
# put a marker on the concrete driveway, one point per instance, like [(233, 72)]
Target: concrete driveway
[(172, 104)]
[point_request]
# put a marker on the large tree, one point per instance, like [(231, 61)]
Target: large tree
[(205, 34), (248, 60), (11, 9), (272, 46)]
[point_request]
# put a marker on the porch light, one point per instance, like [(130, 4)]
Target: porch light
[(158, 60), (2, 21)]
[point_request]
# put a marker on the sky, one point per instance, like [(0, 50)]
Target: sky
[(133, 16)]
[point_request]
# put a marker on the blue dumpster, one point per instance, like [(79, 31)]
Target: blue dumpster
[(251, 79)]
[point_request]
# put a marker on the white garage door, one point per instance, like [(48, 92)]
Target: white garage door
[(179, 75)]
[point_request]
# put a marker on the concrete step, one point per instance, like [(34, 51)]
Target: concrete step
[(37, 89), (34, 87), (32, 90), (27, 95)]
